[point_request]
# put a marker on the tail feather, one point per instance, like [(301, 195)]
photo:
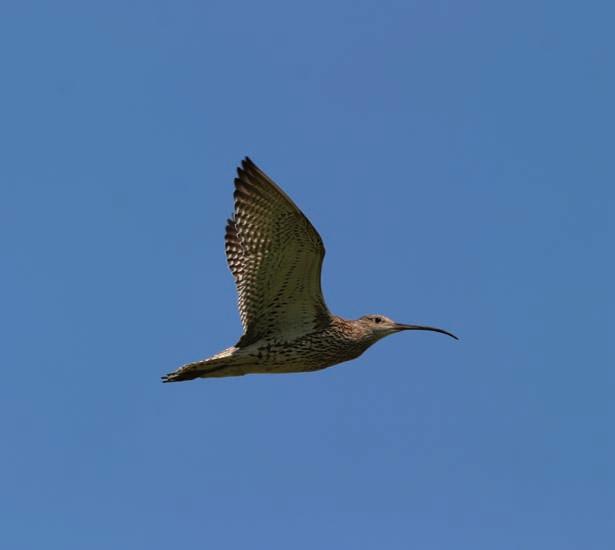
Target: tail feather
[(187, 372), (219, 365)]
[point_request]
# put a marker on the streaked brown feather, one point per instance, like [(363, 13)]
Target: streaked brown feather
[(275, 255)]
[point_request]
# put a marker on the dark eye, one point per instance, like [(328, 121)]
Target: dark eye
[(377, 319)]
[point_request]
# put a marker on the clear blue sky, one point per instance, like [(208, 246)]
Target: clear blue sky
[(456, 157)]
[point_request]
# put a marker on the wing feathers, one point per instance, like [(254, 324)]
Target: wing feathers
[(275, 256)]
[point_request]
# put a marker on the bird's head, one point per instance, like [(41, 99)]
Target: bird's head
[(379, 326)]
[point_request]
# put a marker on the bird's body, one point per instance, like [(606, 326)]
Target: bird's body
[(275, 256), (287, 353)]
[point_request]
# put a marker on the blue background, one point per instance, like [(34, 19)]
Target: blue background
[(455, 158)]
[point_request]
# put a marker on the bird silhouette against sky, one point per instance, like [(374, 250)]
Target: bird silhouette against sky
[(275, 256)]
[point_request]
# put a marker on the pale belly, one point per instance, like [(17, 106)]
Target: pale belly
[(301, 355)]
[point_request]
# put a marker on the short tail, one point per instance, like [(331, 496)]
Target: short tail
[(187, 372), (215, 367)]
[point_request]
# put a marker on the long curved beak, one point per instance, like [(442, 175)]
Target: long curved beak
[(400, 326)]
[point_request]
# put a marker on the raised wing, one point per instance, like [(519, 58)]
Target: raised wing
[(275, 255)]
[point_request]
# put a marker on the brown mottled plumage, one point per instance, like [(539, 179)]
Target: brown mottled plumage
[(275, 256)]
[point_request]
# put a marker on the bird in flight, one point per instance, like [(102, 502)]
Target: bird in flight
[(275, 256)]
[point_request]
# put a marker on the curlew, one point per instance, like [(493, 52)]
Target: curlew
[(275, 256)]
